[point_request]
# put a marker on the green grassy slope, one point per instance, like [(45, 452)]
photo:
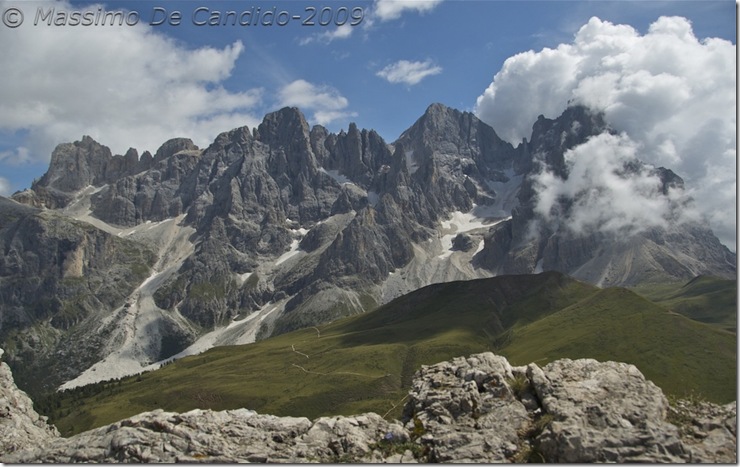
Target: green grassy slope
[(707, 299), (365, 363), (678, 354)]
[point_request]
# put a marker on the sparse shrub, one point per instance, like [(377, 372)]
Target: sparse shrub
[(390, 445), (528, 451), (680, 410), (419, 429), (540, 423), (345, 458), (518, 384), (523, 454)]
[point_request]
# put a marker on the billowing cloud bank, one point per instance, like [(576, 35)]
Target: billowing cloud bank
[(669, 93), (611, 194), (132, 88)]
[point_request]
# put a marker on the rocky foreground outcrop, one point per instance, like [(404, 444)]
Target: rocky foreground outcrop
[(20, 425), (475, 409)]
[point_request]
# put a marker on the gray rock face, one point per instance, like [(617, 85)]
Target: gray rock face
[(58, 278), (480, 409), (452, 156), (221, 437), (76, 165), (20, 426), (152, 195), (172, 147), (708, 431), (467, 410), (475, 409), (462, 242), (603, 412)]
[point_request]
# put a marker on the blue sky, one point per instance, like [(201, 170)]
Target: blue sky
[(140, 85)]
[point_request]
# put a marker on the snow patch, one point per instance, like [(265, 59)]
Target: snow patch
[(238, 332), (373, 198), (300, 230), (146, 226), (481, 244), (242, 278), (339, 178), (506, 194), (293, 251), (411, 163), (479, 217)]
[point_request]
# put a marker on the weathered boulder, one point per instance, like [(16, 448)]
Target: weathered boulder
[(354, 438), (20, 426), (467, 410), (462, 242), (603, 412), (221, 437), (708, 431), (195, 436)]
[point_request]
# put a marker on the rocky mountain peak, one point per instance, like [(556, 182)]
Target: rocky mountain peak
[(238, 136), (438, 109), (552, 137), (282, 126), (669, 179), (458, 158), (583, 254), (357, 154), (287, 133), (172, 147), (438, 120), (76, 165), (87, 142), (446, 131), (86, 162)]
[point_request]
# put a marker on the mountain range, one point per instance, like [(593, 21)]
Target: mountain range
[(114, 264)]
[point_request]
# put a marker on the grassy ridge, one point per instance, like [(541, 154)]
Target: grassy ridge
[(366, 362), (680, 355), (707, 299)]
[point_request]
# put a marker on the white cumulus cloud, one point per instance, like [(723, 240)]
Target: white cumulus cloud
[(125, 87), (5, 188), (15, 157), (341, 32), (607, 196), (671, 93), (407, 72), (326, 103), (387, 10)]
